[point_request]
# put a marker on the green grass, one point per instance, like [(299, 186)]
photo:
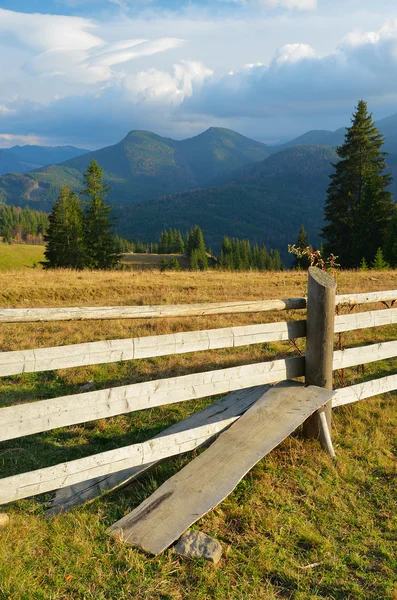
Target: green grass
[(20, 256)]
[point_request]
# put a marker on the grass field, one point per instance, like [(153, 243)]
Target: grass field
[(20, 256), (299, 526)]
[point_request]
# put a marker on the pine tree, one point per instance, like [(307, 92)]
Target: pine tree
[(99, 239), (379, 263), (363, 265), (301, 242), (194, 260), (174, 264), (195, 243), (358, 207), (64, 239)]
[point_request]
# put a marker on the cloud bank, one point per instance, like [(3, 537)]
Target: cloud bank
[(74, 80)]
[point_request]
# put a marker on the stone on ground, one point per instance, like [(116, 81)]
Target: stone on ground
[(195, 544), (4, 520)]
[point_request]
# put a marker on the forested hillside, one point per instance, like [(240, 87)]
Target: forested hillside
[(267, 202), (140, 167)]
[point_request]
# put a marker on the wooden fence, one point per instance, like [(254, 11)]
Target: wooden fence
[(27, 419)]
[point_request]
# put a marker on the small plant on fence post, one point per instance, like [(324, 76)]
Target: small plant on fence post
[(320, 349)]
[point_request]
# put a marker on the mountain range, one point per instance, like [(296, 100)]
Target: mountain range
[(220, 179), (19, 159)]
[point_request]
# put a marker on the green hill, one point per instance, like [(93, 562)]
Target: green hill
[(266, 202), (140, 167)]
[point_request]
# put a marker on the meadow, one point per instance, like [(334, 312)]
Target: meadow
[(20, 256), (299, 526)]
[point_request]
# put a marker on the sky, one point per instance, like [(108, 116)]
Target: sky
[(86, 72)]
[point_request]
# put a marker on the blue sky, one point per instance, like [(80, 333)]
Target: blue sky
[(85, 72)]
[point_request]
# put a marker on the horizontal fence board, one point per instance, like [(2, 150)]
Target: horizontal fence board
[(70, 473), (351, 357), (43, 415), (94, 353), (368, 298), (363, 320), (360, 391), (220, 413), (31, 315)]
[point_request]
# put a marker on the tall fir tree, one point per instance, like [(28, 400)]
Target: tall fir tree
[(359, 207), (100, 242), (64, 238), (195, 244)]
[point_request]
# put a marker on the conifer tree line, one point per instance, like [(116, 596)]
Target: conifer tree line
[(360, 215), (239, 255), (22, 225), (81, 232)]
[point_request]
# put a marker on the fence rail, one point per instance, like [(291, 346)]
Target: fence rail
[(32, 315), (44, 415)]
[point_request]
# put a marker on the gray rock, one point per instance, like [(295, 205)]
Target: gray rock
[(196, 544), (87, 387), (4, 520)]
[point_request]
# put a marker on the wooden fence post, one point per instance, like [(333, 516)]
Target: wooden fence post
[(320, 349)]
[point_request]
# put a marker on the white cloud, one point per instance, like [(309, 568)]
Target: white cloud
[(4, 110), (293, 53), (155, 86)]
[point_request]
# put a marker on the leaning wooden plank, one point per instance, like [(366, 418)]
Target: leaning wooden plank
[(224, 410), (67, 474), (95, 353), (363, 320), (362, 355), (43, 415), (368, 298), (31, 315), (213, 475), (360, 391)]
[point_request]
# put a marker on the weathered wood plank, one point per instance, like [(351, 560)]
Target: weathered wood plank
[(223, 411), (364, 320), (94, 353), (360, 391), (362, 355), (368, 298), (31, 315), (26, 419), (213, 475)]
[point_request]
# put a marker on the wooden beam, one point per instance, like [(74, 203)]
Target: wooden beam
[(31, 315), (223, 411), (43, 415), (66, 474), (367, 389), (351, 357), (364, 320), (110, 351), (209, 478), (368, 298), (320, 349)]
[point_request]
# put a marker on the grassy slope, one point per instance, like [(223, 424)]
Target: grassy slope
[(298, 526), (20, 256)]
